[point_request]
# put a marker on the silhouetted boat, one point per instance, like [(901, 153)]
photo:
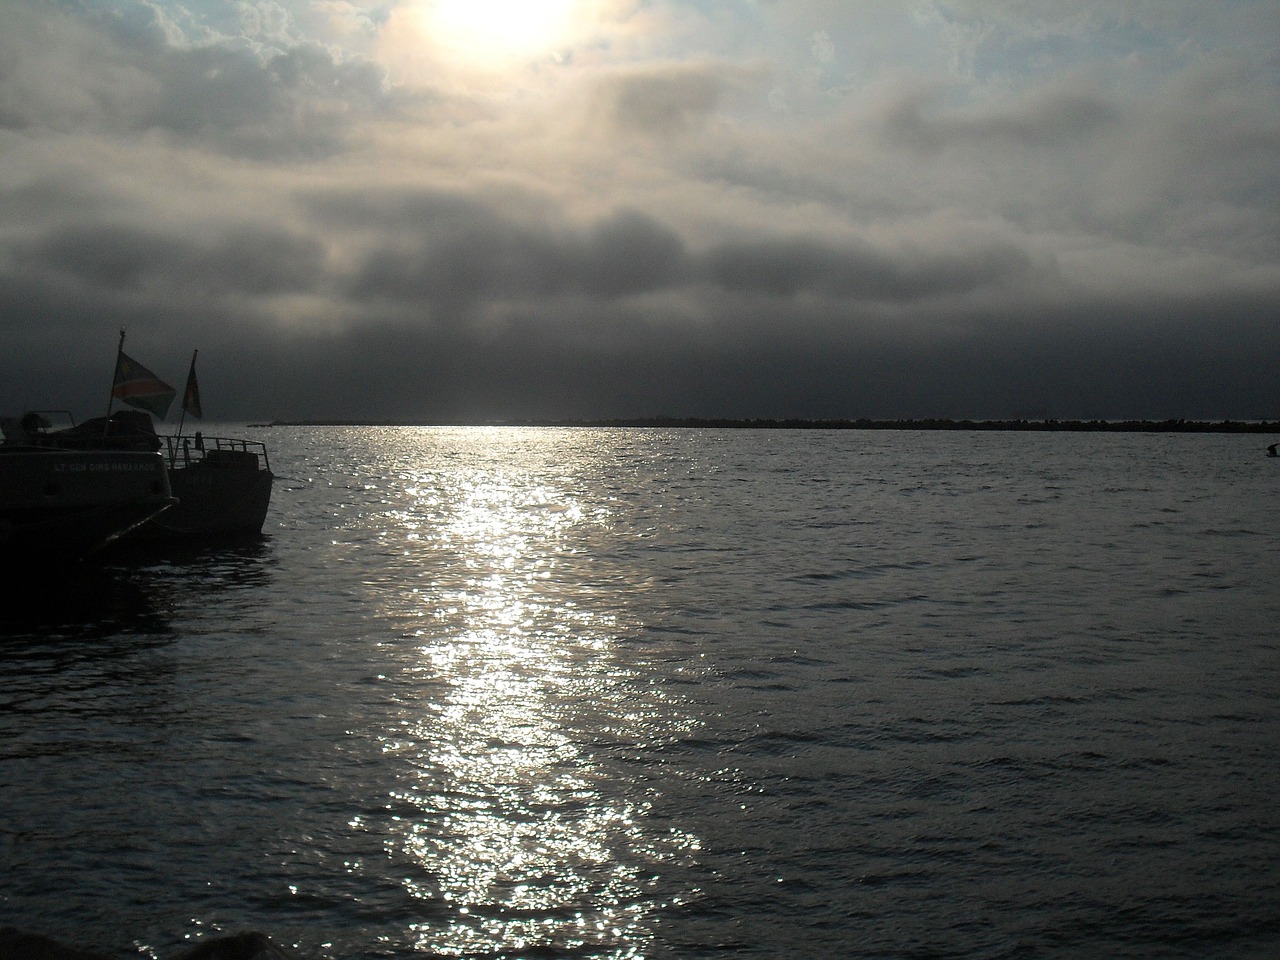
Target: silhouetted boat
[(222, 484), (59, 505)]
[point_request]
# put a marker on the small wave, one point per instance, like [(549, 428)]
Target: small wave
[(862, 572), (779, 741), (954, 673), (891, 878), (1047, 700)]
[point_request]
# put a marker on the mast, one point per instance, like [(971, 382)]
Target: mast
[(111, 395), (191, 374)]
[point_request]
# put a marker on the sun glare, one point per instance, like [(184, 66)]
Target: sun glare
[(497, 29)]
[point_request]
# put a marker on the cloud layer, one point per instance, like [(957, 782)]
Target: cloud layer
[(818, 209)]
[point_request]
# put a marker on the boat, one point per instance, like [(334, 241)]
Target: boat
[(201, 487), (222, 484), (60, 505)]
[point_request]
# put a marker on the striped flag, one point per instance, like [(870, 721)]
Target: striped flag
[(139, 387)]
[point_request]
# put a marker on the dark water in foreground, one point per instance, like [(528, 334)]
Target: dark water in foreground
[(593, 693)]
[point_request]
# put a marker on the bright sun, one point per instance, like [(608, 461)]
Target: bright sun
[(488, 29)]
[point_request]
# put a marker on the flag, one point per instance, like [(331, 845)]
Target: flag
[(139, 387), (191, 395)]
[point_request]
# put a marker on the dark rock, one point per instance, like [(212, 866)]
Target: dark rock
[(19, 945), (243, 946)]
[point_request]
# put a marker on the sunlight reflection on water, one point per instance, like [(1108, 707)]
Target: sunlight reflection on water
[(525, 832)]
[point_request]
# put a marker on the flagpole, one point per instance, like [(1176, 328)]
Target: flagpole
[(190, 373), (111, 395)]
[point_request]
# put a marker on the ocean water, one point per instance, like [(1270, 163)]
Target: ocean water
[(546, 693)]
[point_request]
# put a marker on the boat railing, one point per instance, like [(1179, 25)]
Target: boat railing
[(188, 449)]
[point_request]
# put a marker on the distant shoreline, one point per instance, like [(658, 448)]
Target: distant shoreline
[(681, 423)]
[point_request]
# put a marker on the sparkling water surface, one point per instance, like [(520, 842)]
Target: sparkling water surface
[(503, 692)]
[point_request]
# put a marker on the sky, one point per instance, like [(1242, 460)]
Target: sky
[(468, 210)]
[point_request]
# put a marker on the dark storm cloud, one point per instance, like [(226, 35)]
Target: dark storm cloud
[(630, 253), (121, 258), (1126, 362), (786, 268), (750, 351), (456, 251)]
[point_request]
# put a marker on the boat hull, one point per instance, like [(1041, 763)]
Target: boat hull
[(222, 484), (224, 494), (60, 506)]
